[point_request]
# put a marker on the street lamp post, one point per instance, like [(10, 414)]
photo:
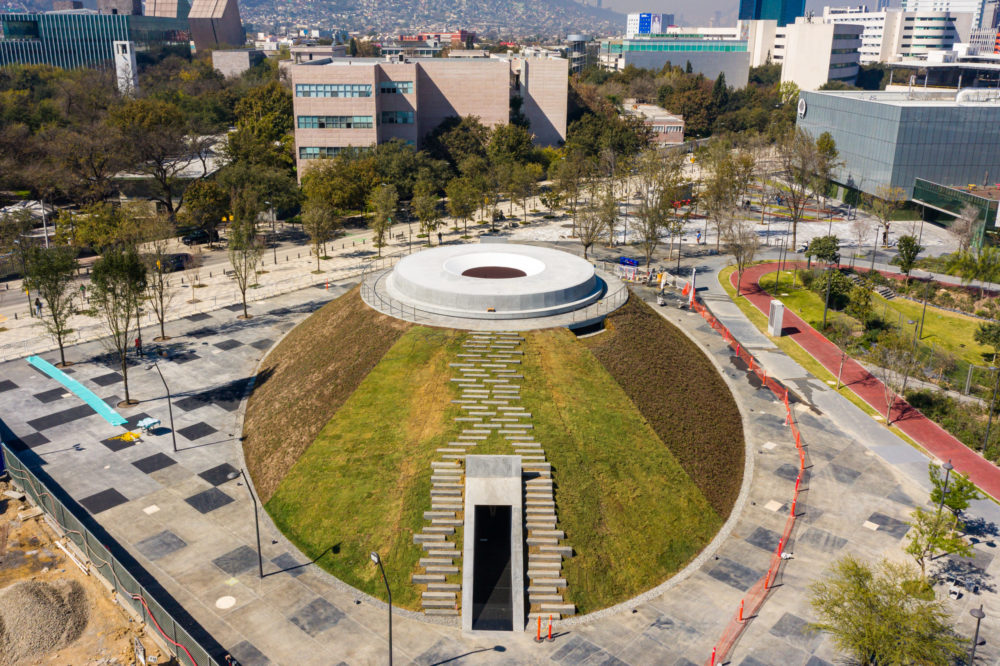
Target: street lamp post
[(923, 312), (378, 560), (874, 249), (979, 615), (170, 409), (256, 523), (944, 490)]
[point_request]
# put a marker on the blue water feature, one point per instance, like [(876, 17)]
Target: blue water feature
[(79, 390)]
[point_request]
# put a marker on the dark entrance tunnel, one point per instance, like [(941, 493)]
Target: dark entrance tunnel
[(492, 591)]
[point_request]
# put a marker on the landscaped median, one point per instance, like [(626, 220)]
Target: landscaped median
[(866, 387)]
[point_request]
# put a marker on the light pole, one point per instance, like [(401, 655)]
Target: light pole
[(923, 312), (979, 615), (378, 560), (170, 409), (826, 303), (256, 520), (993, 402), (944, 490), (874, 249)]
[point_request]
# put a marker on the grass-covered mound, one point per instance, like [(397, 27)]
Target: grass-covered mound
[(305, 379), (630, 511), (364, 483), (681, 394)]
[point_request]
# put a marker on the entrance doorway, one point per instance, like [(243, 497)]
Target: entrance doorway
[(492, 603)]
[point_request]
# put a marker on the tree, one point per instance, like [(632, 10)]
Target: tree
[(13, 227), (509, 145), (319, 223), (859, 304), (590, 228), (461, 200), (523, 183), (988, 335), (827, 159), (50, 273), (824, 248), (425, 207), (908, 249), (798, 158), (965, 227), (659, 179), (118, 281), (383, 203), (872, 616), (894, 363), (742, 241), (244, 245), (157, 232), (569, 174), (884, 204), (207, 204), (934, 534), (961, 491), (861, 230)]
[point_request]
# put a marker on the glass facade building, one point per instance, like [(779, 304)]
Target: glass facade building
[(889, 138), (82, 39), (782, 11)]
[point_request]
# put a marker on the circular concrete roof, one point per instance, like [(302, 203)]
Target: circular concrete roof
[(444, 281)]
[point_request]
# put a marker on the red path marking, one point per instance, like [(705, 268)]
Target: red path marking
[(932, 437)]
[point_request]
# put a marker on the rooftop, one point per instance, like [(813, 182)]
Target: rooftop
[(921, 97)]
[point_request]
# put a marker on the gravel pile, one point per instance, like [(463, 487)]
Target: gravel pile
[(37, 617)]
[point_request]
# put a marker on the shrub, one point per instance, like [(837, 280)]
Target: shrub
[(840, 288)]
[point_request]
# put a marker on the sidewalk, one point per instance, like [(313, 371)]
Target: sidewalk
[(862, 383)]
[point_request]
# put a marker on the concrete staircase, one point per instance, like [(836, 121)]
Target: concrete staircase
[(489, 375)]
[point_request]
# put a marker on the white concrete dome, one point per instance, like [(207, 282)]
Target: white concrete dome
[(494, 281)]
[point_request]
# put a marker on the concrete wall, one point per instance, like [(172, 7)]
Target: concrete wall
[(545, 89), (235, 62), (475, 87)]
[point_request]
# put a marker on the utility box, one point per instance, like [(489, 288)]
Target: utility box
[(775, 318)]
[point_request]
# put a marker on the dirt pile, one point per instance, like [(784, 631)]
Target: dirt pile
[(38, 617)]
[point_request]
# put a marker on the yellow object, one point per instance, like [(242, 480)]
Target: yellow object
[(129, 436)]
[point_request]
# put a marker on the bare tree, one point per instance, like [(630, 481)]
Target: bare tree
[(861, 229), (893, 363), (798, 160), (158, 232), (244, 245), (965, 227), (659, 181), (742, 242), (886, 201), (590, 227), (118, 281)]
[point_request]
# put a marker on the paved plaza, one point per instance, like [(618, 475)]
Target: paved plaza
[(187, 517)]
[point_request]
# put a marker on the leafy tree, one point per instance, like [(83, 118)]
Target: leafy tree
[(244, 245), (320, 223), (207, 204), (908, 249), (988, 335), (569, 175), (961, 491), (457, 139), (50, 273), (84, 158), (343, 183), (509, 144), (824, 248), (461, 200), (425, 207), (659, 179), (965, 227), (860, 304), (934, 534), (872, 616), (524, 184), (118, 282), (383, 203)]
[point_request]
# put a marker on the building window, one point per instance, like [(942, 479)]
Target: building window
[(396, 87), (335, 122), (333, 90), (397, 117), (317, 152)]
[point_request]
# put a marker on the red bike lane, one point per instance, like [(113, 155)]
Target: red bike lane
[(928, 434)]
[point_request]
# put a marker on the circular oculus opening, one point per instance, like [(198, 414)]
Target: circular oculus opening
[(494, 272)]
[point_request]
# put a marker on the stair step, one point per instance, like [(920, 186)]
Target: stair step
[(538, 511), (562, 609), (431, 515), (442, 595), (444, 506), (446, 492), (542, 556), (545, 599), (541, 524), (438, 603), (444, 587), (562, 551), (428, 538), (455, 554), (427, 578), (440, 569), (445, 465), (533, 617), (447, 522), (439, 529), (447, 485), (544, 566), (536, 589), (558, 534), (436, 561), (440, 611), (541, 541), (454, 456), (548, 579)]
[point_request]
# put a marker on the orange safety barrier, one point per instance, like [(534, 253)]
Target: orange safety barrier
[(758, 592)]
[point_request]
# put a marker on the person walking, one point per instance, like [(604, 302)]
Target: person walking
[(138, 347), (38, 307)]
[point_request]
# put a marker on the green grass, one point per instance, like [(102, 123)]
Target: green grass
[(630, 511), (364, 483)]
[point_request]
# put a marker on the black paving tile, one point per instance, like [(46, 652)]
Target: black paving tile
[(237, 561), (734, 574), (843, 474), (898, 495), (184, 357), (7, 385), (764, 538), (60, 418), (248, 655), (196, 431), (816, 661), (51, 395), (198, 316), (200, 333), (235, 307), (34, 440), (822, 540), (796, 630), (226, 345), (751, 661), (788, 472), (286, 563), (227, 396), (219, 475), (209, 500), (262, 345), (154, 463), (108, 379), (160, 545), (116, 444), (317, 616), (896, 528), (189, 403), (133, 421), (575, 651), (104, 500)]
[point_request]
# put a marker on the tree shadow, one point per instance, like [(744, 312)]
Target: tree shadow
[(980, 527), (495, 648), (967, 573)]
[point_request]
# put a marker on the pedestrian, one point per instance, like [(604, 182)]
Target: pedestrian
[(698, 238), (38, 307), (83, 291), (138, 347), (439, 238)]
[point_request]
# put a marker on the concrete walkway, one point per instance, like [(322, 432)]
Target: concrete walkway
[(191, 526)]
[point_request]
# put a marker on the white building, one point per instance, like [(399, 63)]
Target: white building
[(812, 52), (974, 7), (647, 24), (892, 34)]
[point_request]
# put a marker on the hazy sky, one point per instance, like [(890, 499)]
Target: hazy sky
[(687, 12)]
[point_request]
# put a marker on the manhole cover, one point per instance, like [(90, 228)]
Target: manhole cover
[(225, 602)]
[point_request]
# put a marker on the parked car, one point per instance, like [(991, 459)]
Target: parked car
[(199, 236)]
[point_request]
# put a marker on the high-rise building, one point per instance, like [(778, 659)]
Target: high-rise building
[(782, 11), (812, 52), (647, 24), (892, 33), (975, 7), (131, 7)]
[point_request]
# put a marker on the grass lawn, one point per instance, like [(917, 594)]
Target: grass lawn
[(945, 329), (630, 511), (364, 483)]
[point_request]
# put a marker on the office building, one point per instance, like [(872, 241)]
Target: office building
[(892, 34), (893, 138), (359, 102), (131, 7), (708, 54), (782, 11), (812, 53), (83, 38), (216, 23), (412, 49), (667, 128), (577, 51), (975, 7), (456, 38), (647, 24), (233, 62), (168, 8)]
